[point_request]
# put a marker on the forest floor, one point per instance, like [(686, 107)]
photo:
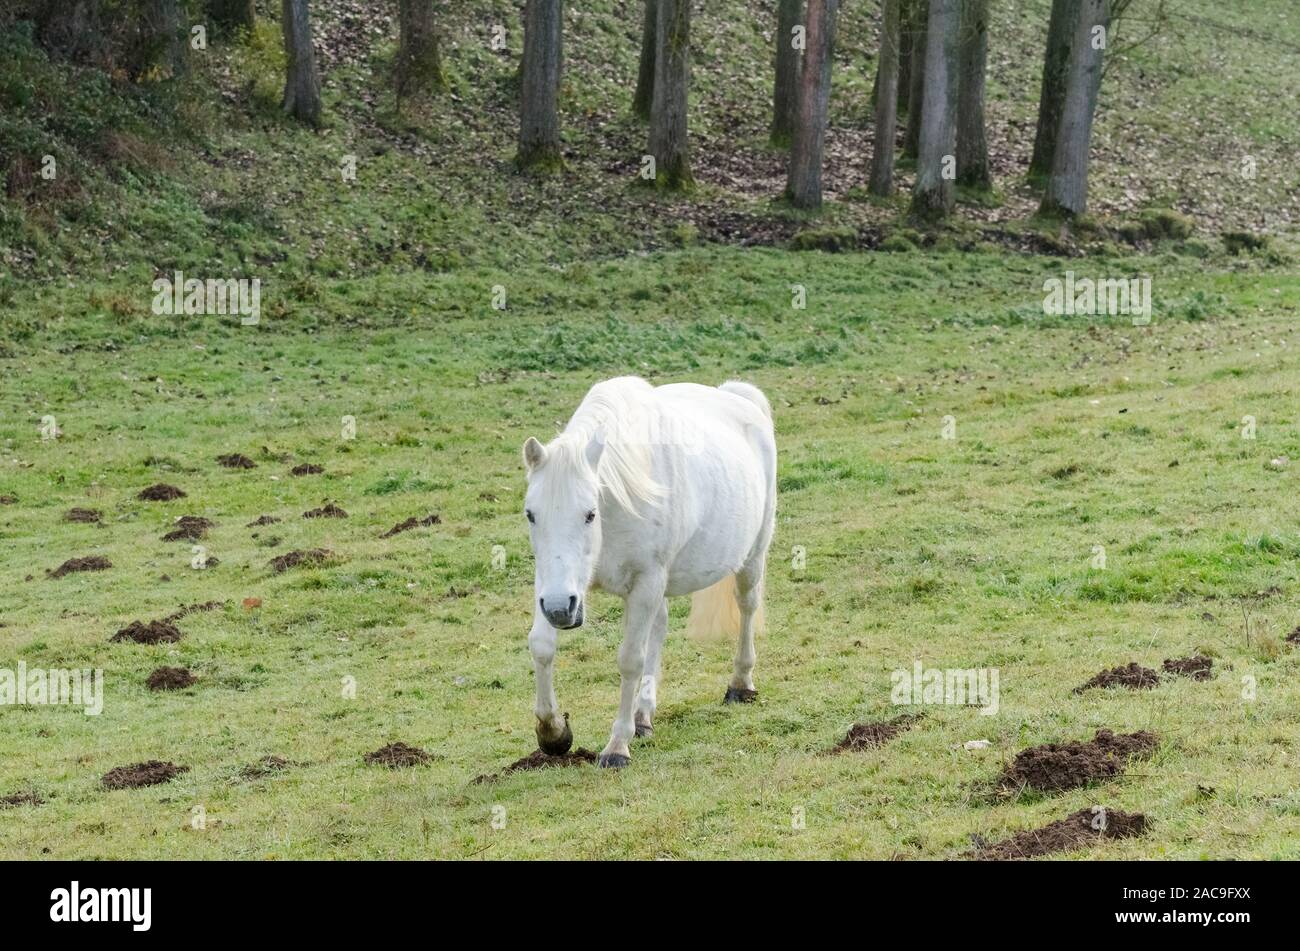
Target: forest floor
[(1074, 438)]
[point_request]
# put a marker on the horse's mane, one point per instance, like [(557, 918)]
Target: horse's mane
[(617, 413)]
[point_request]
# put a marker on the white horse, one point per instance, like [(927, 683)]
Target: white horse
[(650, 492)]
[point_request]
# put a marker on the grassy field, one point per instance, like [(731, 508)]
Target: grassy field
[(975, 552)]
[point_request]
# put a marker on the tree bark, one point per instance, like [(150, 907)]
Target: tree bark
[(933, 194), (1051, 96), (668, 128), (1067, 185), (302, 81), (539, 117), (907, 22), (419, 61), (916, 82), (804, 188), (644, 99), (232, 15), (785, 93), (972, 144), (882, 158)]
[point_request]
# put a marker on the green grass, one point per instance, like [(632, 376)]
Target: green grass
[(973, 552)]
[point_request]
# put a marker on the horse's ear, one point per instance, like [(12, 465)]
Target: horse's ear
[(534, 453)]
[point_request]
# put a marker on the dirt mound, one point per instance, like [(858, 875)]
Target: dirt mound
[(235, 460), (1198, 667), (263, 520), (327, 511), (142, 774), (307, 468), (155, 632), (1134, 676), (162, 492), (1078, 830), (266, 766), (1294, 636), (396, 756), (188, 609), (313, 556), (171, 678), (92, 563), (865, 736), (189, 528), (8, 500), (21, 799), (92, 516), (411, 523), (1054, 767), (539, 760)]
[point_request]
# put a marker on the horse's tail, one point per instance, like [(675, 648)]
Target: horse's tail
[(715, 612), (750, 392)]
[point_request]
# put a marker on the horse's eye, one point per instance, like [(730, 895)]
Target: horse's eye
[(530, 516), (591, 516)]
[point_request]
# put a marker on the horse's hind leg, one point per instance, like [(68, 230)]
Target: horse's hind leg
[(749, 595), (646, 695)]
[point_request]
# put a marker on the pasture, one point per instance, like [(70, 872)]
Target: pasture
[(1072, 437)]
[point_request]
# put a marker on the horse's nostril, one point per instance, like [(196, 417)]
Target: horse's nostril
[(573, 602), (541, 603)]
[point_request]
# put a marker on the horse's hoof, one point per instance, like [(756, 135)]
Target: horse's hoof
[(613, 760), (557, 746), (740, 695), (644, 729)]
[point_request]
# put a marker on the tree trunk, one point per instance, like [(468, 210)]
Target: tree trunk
[(419, 62), (668, 133), (1051, 97), (805, 185), (882, 159), (785, 94), (1067, 186), (231, 15), (933, 194), (644, 99), (916, 92), (539, 118), (972, 145), (907, 22), (302, 81)]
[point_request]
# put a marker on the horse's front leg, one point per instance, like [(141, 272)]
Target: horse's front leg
[(643, 603), (553, 733)]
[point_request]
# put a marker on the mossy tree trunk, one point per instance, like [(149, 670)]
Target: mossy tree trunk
[(668, 115), (789, 58), (972, 143), (1066, 193), (804, 188), (934, 193), (1051, 96), (539, 91), (882, 159), (419, 61), (916, 80), (302, 81), (643, 100)]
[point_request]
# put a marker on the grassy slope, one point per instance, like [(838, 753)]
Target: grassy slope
[(965, 554)]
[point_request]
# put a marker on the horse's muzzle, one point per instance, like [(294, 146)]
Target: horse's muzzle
[(564, 618)]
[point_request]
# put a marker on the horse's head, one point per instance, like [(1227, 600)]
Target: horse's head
[(562, 507)]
